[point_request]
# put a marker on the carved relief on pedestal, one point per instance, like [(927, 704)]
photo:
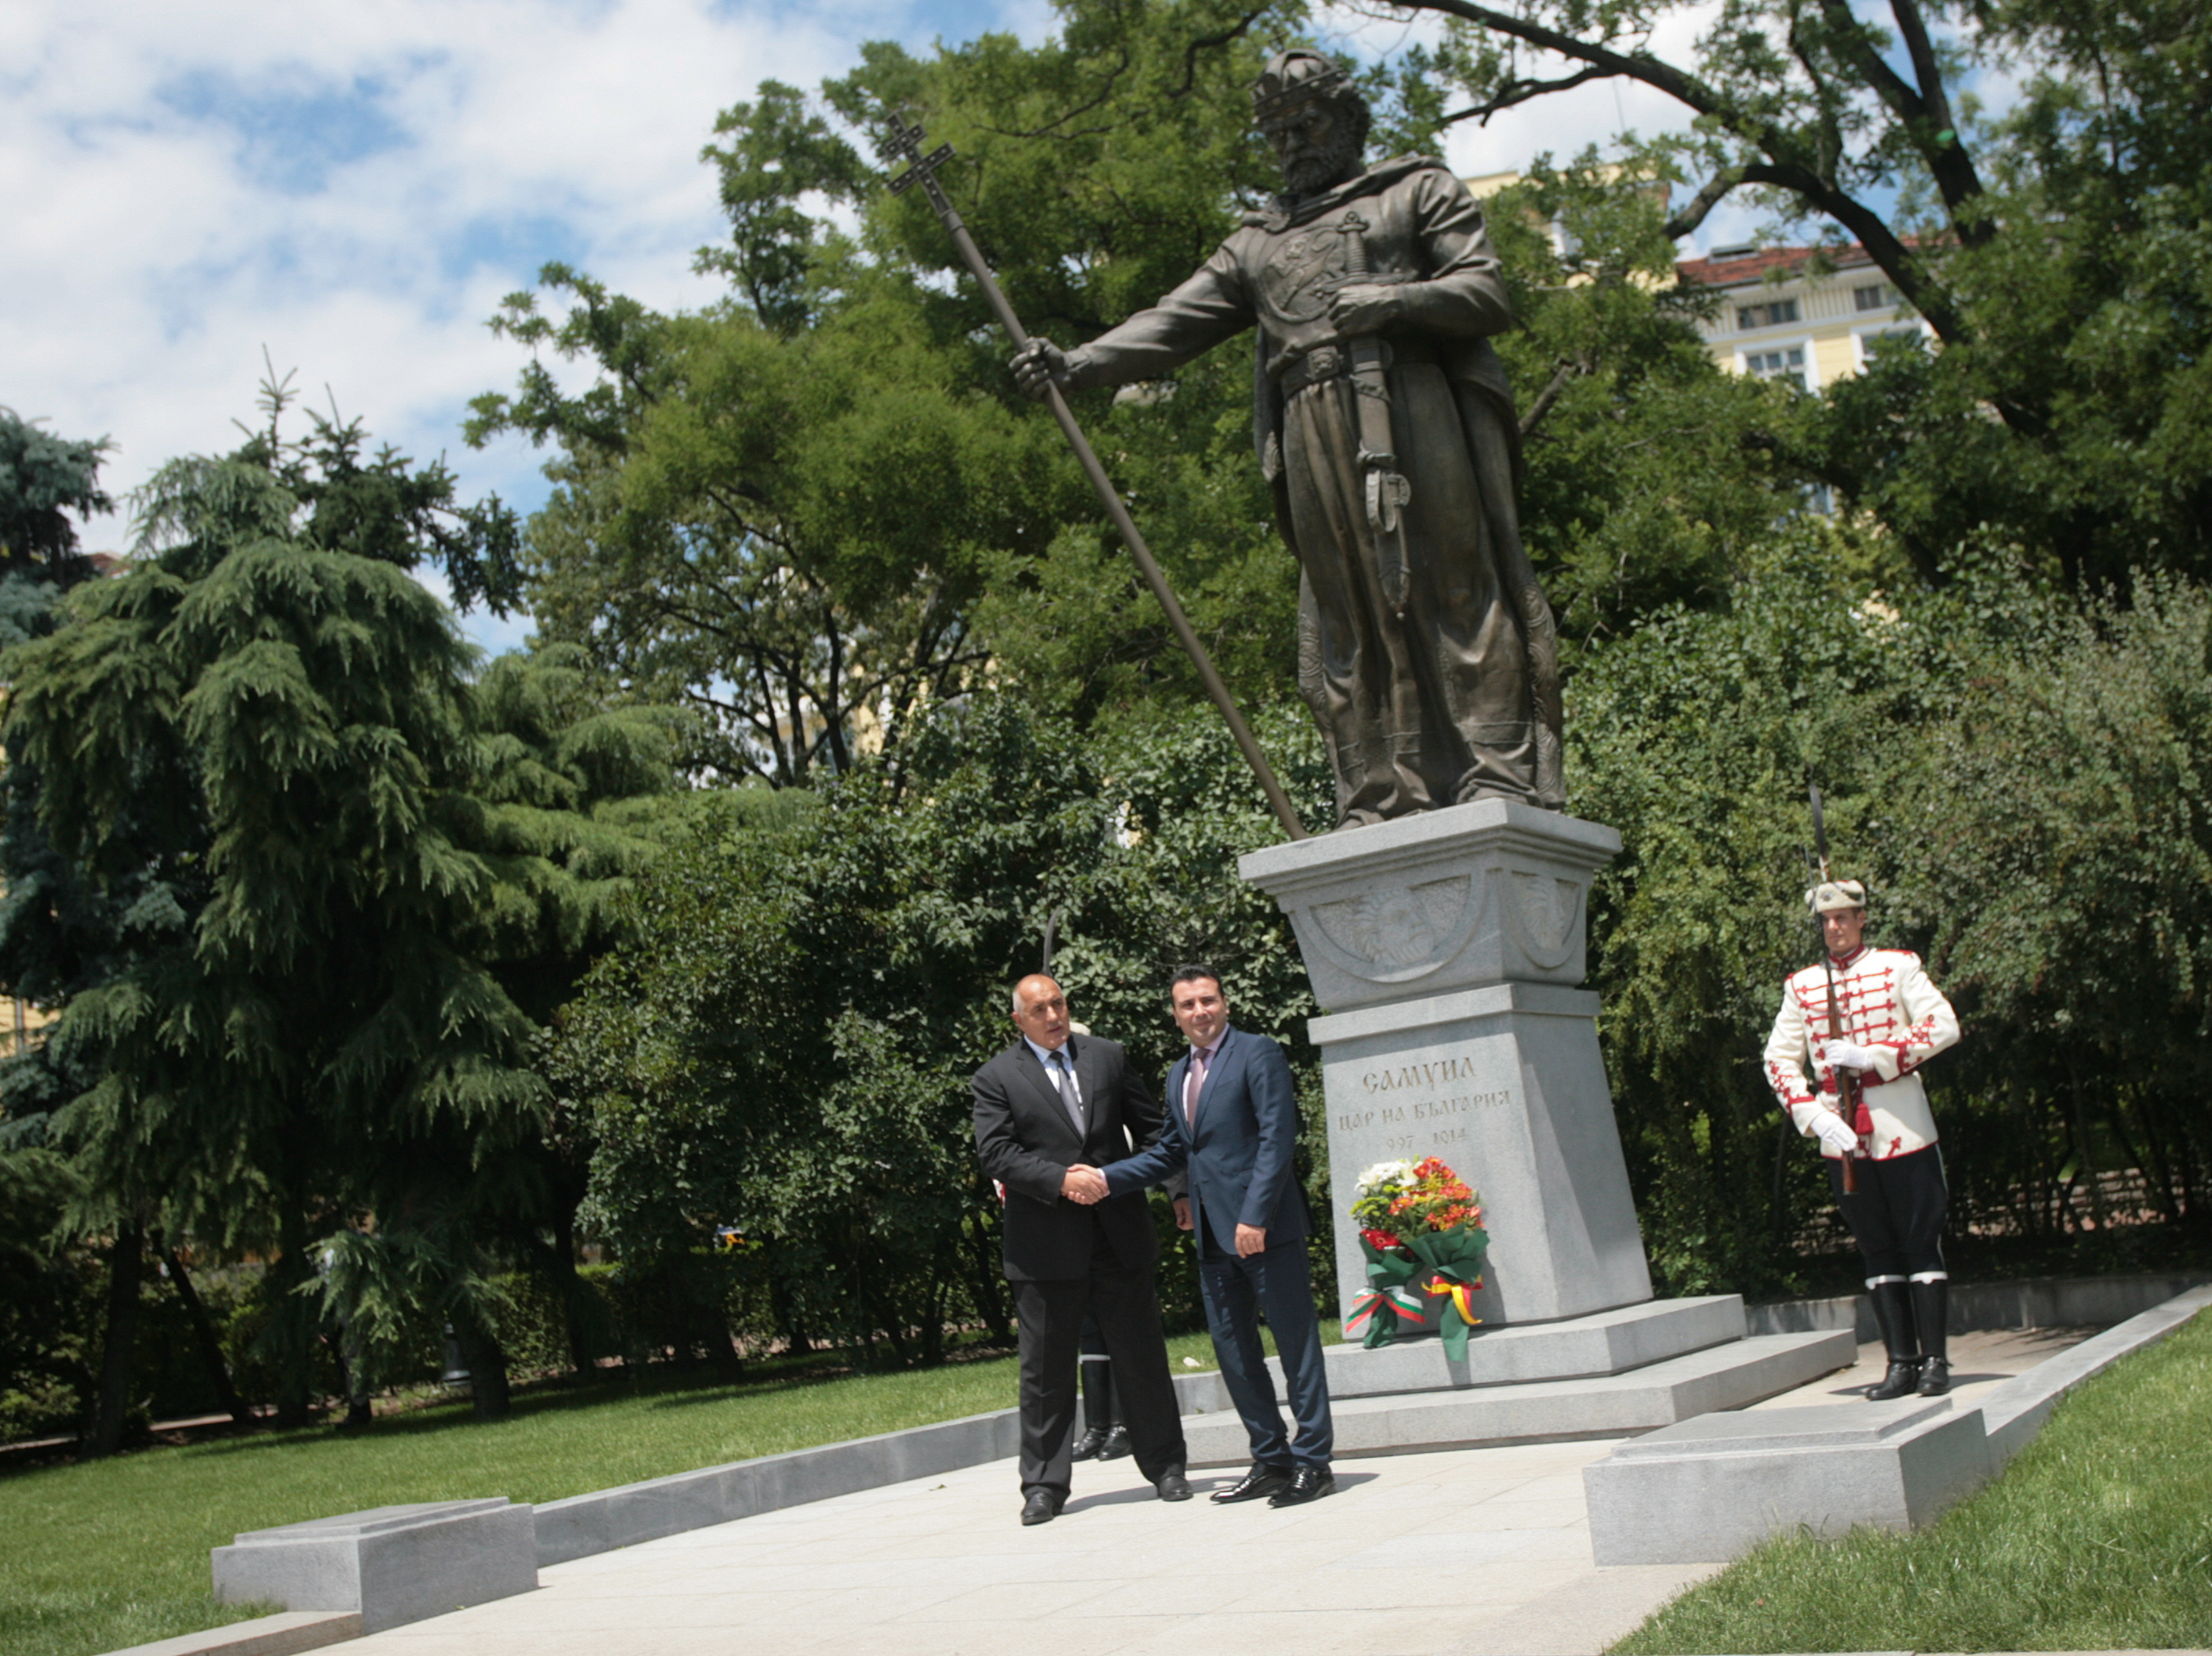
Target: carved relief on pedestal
[(1544, 912), (1395, 933)]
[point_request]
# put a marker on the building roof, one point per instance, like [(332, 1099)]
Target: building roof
[(1737, 267)]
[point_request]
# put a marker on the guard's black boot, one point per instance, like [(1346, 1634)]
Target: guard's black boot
[(1931, 1313), (1892, 1310), (1097, 1409)]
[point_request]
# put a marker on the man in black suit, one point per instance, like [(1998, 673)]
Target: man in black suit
[(1048, 1103), (1233, 1121)]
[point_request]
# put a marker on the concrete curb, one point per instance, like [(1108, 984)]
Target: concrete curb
[(280, 1635), (630, 1512), (2014, 1412), (2030, 1302)]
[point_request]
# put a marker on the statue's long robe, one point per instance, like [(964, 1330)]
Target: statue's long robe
[(1459, 699)]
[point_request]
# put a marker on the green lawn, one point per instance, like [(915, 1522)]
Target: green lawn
[(115, 1553), (2099, 1536)]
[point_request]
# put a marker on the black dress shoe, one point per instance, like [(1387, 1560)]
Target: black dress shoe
[(1307, 1483), (1172, 1484), (1261, 1480), (1935, 1376), (1088, 1445), (1041, 1508), (1901, 1381), (1117, 1445)]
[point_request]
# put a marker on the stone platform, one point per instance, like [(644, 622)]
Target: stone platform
[(1574, 1348), (1706, 1490), (390, 1565), (1640, 1399)]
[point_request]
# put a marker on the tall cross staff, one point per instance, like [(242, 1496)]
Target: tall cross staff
[(904, 143)]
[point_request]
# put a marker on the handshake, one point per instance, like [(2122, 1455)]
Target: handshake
[(1083, 1184)]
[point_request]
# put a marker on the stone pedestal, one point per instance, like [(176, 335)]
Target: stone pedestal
[(1447, 949), (391, 1564), (1710, 1489)]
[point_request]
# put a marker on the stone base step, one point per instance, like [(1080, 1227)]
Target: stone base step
[(1514, 1353), (1641, 1400)]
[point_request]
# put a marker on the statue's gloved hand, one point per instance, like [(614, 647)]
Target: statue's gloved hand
[(1363, 307), (1037, 364), (1834, 1133), (1848, 1056)]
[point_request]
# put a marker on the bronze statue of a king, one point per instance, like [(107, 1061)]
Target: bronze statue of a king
[(1386, 430)]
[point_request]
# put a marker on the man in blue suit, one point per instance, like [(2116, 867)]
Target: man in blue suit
[(1232, 1120)]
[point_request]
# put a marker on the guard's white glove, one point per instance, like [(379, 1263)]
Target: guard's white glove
[(1835, 1134), (1849, 1056)]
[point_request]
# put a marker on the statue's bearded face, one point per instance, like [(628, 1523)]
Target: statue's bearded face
[(1316, 146)]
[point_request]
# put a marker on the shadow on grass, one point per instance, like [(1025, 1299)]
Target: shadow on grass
[(657, 1388)]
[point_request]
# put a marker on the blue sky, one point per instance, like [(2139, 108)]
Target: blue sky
[(354, 188)]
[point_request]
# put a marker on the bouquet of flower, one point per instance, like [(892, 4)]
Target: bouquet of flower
[(1420, 1227)]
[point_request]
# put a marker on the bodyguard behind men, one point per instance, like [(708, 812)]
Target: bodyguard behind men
[(1049, 1102), (1892, 1021), (1233, 1122)]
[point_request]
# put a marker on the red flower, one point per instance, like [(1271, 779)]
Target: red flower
[(1381, 1240)]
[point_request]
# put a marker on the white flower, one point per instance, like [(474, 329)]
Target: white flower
[(1385, 1173)]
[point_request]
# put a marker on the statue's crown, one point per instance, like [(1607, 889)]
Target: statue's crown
[(1292, 78)]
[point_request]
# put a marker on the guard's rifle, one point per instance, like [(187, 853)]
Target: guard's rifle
[(1847, 1084), (904, 143)]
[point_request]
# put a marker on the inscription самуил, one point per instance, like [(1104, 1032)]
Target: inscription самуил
[(1431, 1077)]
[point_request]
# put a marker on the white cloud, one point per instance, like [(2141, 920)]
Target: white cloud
[(354, 189)]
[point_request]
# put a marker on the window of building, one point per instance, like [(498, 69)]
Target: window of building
[(1787, 364), (1771, 315), (1874, 295)]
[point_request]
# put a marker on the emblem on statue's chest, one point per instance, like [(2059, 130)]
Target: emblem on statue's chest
[(1302, 269)]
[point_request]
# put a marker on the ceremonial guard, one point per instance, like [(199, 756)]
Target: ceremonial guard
[(1867, 1019)]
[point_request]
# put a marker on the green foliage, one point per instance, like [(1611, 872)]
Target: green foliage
[(2095, 1539), (43, 478), (2020, 782), (1653, 476), (784, 1043), (48, 1314), (300, 883), (2056, 251)]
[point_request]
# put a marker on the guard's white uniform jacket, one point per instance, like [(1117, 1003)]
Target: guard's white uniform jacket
[(1888, 1006)]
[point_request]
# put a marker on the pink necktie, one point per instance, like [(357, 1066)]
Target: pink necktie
[(1194, 1082)]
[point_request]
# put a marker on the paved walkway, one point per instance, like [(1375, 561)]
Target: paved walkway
[(1472, 1552)]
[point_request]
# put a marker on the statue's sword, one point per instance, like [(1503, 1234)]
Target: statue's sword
[(904, 143), (1387, 487)]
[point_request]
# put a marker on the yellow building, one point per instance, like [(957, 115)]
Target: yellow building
[(1813, 314)]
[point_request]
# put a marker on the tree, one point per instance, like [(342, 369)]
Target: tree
[(2053, 250), (43, 478), (65, 927), (790, 508), (305, 704), (1653, 476), (2061, 857)]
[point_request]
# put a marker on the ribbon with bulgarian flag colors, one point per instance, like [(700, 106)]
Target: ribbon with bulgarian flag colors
[(1449, 1264)]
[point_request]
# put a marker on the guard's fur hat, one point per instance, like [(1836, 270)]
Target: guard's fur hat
[(1835, 896)]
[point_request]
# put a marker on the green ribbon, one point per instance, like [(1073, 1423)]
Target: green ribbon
[(1448, 1263)]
